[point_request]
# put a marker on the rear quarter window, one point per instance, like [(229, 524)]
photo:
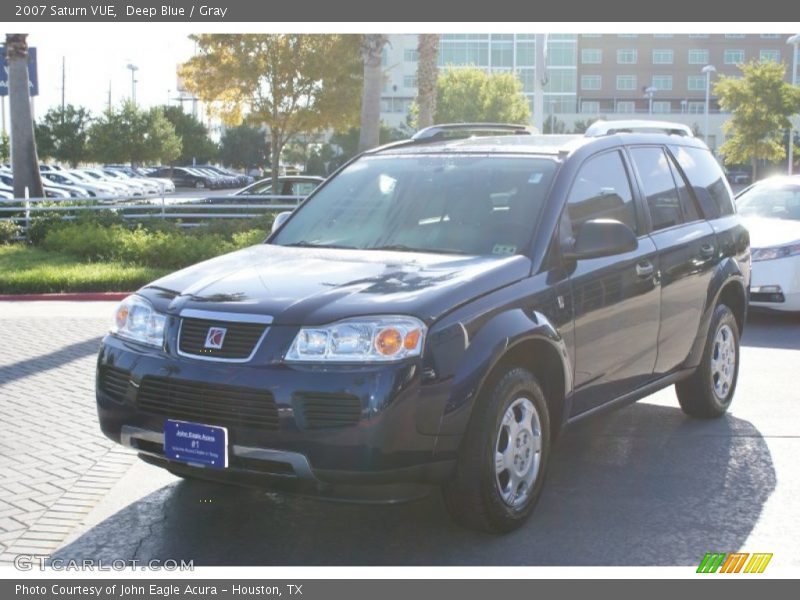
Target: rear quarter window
[(706, 180)]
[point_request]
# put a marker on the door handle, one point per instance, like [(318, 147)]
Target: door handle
[(707, 251), (644, 269)]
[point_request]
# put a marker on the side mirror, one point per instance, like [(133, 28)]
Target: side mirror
[(602, 237), (280, 219)]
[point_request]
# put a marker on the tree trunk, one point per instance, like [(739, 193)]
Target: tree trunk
[(427, 76), (275, 160), (24, 162), (754, 166), (371, 52)]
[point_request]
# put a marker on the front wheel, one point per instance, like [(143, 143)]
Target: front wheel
[(708, 392), (504, 456)]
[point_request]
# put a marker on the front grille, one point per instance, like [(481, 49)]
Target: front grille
[(239, 342), (323, 411), (208, 403), (114, 382)]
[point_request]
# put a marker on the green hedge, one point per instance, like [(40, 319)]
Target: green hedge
[(158, 245)]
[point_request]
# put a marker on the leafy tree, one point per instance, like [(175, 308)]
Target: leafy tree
[(427, 75), (290, 83), (195, 143), (63, 134), (470, 95), (371, 53), (761, 103), (243, 147), (553, 124), (5, 147), (134, 136), (347, 142), (582, 125)]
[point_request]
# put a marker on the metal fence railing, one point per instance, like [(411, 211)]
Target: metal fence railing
[(186, 211)]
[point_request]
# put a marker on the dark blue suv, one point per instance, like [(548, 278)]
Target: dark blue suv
[(436, 312)]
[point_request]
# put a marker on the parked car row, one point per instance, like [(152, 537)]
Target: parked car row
[(201, 177)]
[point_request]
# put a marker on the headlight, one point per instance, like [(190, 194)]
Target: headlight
[(136, 320), (792, 249), (376, 339)]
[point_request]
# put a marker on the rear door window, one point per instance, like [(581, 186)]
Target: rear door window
[(663, 201), (602, 190)]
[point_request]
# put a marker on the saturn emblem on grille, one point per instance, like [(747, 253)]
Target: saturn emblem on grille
[(215, 337)]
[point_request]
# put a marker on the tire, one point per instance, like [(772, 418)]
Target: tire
[(481, 493), (708, 392)]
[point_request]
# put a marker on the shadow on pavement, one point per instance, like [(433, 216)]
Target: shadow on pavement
[(642, 486), (51, 360), (772, 330)]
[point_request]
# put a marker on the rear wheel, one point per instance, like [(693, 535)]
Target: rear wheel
[(708, 393), (502, 464)]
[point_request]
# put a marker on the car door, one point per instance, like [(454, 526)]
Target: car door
[(616, 298), (686, 248)]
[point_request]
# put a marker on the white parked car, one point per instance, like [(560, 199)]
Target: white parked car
[(149, 188), (771, 212), (106, 188), (128, 188)]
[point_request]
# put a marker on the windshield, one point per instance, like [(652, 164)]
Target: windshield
[(774, 201), (465, 204)]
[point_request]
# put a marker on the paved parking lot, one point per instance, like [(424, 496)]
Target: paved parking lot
[(640, 486)]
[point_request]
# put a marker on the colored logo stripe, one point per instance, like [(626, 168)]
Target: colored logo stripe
[(758, 563), (734, 562), (711, 562)]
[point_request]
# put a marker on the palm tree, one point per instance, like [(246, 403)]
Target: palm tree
[(24, 162), (371, 52), (427, 75)]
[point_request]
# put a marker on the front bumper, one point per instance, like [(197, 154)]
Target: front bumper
[(775, 284), (380, 444)]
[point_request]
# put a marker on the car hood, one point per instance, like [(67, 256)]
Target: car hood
[(308, 286), (766, 233)]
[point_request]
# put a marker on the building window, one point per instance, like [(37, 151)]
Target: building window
[(384, 57), (626, 56), (662, 106), (734, 57), (662, 83), (410, 81), (696, 108), (460, 53), (698, 57), (591, 82), (590, 107), (626, 82), (696, 83), (562, 81), (591, 56), (773, 55), (526, 54), (502, 54), (626, 106), (561, 54), (528, 79), (410, 55), (662, 57), (396, 105)]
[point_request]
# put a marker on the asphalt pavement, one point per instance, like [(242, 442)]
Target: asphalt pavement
[(643, 485)]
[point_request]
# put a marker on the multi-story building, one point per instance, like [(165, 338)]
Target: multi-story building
[(515, 53), (594, 75)]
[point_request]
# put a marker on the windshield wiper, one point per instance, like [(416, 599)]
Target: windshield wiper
[(305, 244), (404, 248)]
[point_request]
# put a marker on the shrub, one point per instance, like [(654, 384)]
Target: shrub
[(9, 231), (41, 225), (243, 239)]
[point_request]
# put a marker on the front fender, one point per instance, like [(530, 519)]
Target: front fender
[(470, 368)]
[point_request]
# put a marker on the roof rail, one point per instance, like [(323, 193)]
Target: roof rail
[(437, 132), (600, 128)]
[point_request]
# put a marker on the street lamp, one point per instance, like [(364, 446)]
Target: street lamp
[(708, 70), (649, 92), (133, 68), (794, 41)]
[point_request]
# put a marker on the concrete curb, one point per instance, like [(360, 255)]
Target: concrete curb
[(73, 297)]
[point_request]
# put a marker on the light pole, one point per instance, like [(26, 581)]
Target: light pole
[(649, 92), (794, 41), (708, 70), (133, 68)]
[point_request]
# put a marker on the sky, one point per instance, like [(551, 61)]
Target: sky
[(99, 57)]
